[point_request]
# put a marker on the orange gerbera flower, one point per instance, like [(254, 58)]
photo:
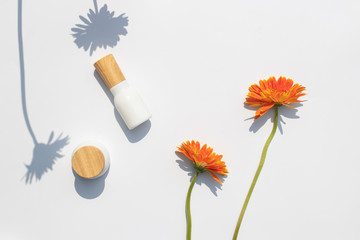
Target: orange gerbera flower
[(204, 158), (271, 92)]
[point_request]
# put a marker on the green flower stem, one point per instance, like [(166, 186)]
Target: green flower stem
[(261, 164), (188, 214)]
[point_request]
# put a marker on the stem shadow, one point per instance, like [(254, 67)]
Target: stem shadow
[(44, 154)]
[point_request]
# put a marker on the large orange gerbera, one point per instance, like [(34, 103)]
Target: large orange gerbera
[(204, 158), (271, 92)]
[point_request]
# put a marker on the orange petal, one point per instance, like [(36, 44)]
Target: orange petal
[(288, 105), (215, 177), (261, 111)]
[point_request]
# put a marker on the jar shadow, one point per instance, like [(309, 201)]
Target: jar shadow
[(90, 188)]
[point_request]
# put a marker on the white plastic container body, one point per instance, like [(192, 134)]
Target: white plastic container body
[(130, 105)]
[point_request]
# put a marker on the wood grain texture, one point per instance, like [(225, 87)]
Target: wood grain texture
[(88, 161), (109, 71)]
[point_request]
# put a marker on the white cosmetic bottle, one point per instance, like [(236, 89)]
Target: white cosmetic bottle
[(127, 101)]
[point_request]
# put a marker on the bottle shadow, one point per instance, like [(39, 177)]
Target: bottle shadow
[(90, 188), (137, 133), (101, 29), (204, 178), (44, 154), (283, 112)]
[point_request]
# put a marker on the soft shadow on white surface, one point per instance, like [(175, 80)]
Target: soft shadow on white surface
[(101, 29), (44, 157), (134, 135), (90, 188), (283, 112), (203, 178), (44, 154)]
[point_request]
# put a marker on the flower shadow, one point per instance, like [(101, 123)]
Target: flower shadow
[(283, 112), (44, 157), (137, 133), (203, 178), (101, 29), (44, 154)]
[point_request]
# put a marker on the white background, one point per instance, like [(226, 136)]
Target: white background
[(192, 61)]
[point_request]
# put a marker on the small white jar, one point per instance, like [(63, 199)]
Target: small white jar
[(90, 160)]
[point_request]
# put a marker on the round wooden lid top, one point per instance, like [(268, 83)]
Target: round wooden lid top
[(88, 161)]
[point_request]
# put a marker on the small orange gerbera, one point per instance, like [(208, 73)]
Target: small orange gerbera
[(204, 158), (271, 92)]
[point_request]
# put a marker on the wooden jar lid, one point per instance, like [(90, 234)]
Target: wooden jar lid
[(88, 161)]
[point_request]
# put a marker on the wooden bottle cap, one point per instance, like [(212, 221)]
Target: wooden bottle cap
[(109, 71), (88, 161)]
